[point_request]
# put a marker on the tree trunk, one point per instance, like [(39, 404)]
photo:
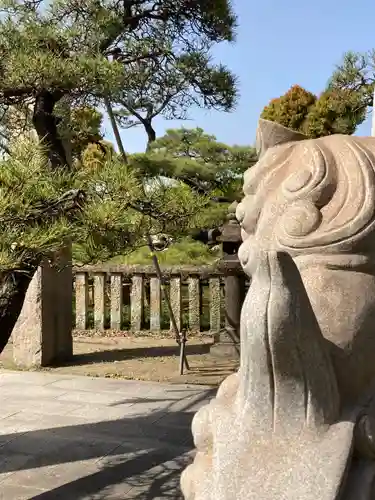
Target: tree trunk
[(151, 134), (13, 288), (115, 130), (45, 123)]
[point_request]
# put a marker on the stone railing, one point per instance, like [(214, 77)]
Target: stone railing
[(129, 298)]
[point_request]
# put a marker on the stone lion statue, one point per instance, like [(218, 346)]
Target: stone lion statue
[(297, 420)]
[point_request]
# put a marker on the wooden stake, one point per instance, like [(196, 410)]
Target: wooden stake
[(180, 336)]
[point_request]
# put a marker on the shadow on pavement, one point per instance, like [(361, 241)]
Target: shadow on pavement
[(139, 457), (110, 355)]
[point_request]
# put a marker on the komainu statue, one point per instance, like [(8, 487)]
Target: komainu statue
[(297, 422)]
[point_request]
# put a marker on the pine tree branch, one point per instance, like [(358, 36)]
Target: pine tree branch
[(15, 95), (131, 21), (145, 122), (70, 201)]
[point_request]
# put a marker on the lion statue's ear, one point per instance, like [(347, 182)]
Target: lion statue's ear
[(270, 134)]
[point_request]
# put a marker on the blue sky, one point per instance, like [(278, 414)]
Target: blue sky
[(279, 44)]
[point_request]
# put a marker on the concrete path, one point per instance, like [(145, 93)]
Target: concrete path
[(77, 438)]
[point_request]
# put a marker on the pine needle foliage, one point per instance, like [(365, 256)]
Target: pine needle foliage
[(104, 212)]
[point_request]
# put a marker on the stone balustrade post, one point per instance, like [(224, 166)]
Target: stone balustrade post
[(137, 302), (43, 333)]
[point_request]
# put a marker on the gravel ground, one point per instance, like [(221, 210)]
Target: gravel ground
[(135, 357)]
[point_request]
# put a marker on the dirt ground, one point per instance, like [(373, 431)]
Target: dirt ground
[(141, 358)]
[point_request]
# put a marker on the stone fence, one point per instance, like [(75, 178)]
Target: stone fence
[(124, 298), (129, 298)]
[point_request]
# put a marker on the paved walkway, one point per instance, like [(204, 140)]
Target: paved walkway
[(77, 438)]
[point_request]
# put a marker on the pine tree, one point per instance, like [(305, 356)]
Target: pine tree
[(170, 86), (205, 165), (58, 56), (356, 75)]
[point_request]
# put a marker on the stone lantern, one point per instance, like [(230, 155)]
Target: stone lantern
[(227, 341)]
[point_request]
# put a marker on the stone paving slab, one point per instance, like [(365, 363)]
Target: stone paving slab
[(87, 438)]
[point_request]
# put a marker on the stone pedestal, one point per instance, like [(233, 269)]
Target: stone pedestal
[(43, 332)]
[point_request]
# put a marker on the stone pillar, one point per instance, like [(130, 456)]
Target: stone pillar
[(43, 333), (176, 300), (99, 300), (82, 300), (194, 304), (215, 305), (155, 304), (116, 301), (137, 302), (62, 281)]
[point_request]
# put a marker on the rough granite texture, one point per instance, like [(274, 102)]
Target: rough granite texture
[(176, 300), (155, 304), (137, 300), (215, 304), (194, 310), (43, 332), (99, 294), (286, 426), (116, 301)]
